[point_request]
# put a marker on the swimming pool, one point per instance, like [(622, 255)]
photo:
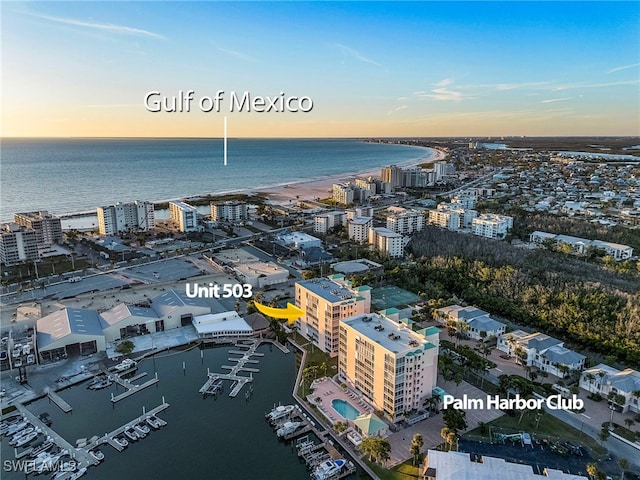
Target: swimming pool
[(345, 409)]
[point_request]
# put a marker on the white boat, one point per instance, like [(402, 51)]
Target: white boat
[(97, 454), (328, 469), (21, 433), (141, 428), (41, 448), (126, 364), (280, 411), (15, 428), (131, 434), (121, 441), (154, 422), (103, 383), (26, 439), (288, 428)]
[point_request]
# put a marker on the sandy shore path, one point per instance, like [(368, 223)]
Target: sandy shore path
[(321, 187)]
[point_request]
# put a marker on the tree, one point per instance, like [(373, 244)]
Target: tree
[(604, 435), (125, 347), (455, 419), (417, 442), (449, 437), (623, 463), (457, 378), (377, 448)]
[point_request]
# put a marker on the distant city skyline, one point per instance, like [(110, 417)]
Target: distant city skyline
[(82, 69)]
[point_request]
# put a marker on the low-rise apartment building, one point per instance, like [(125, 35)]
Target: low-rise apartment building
[(541, 351)]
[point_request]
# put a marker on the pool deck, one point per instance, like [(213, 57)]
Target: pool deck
[(325, 390)]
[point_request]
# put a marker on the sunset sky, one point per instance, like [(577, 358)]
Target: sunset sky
[(372, 69)]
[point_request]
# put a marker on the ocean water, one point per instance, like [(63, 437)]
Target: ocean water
[(77, 175)]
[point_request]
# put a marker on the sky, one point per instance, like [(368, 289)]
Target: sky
[(83, 69)]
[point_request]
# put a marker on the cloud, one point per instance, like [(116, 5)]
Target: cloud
[(553, 100), (350, 52), (569, 86), (397, 109), (617, 69), (444, 82), (235, 53), (108, 27), (443, 94)]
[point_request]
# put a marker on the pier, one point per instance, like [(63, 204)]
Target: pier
[(130, 386), (82, 457), (108, 438), (211, 385), (58, 401)]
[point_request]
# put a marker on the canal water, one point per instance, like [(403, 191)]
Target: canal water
[(222, 438)]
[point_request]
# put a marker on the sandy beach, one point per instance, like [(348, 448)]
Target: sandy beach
[(322, 187)]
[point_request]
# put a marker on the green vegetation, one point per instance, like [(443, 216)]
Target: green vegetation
[(580, 302), (125, 347), (403, 471), (377, 448)]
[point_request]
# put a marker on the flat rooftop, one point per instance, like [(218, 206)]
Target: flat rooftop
[(387, 333), (330, 291)]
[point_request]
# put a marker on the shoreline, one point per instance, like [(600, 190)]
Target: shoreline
[(282, 193)]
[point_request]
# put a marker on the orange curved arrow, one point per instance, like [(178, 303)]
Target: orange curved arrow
[(291, 313)]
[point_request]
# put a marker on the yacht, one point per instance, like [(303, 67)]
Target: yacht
[(279, 412), (131, 434), (126, 364), (328, 469), (100, 384), (121, 441), (154, 422), (15, 428), (43, 447), (288, 428), (21, 433), (97, 454), (141, 429), (26, 439)]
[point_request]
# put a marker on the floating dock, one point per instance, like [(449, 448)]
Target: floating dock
[(209, 388), (130, 386), (58, 401), (83, 458), (109, 437)]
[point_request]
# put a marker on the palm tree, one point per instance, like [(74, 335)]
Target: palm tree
[(623, 463), (417, 442)]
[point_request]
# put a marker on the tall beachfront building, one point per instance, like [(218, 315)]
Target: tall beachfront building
[(230, 211), (390, 364), (184, 215), (325, 301), (126, 217), (47, 227), (17, 244)]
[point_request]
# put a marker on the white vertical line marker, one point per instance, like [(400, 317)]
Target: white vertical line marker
[(225, 141)]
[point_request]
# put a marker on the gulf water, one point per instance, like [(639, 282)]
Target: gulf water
[(77, 175)]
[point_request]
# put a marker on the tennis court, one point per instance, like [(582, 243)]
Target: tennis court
[(391, 296)]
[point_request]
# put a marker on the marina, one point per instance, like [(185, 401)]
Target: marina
[(58, 401), (214, 383), (110, 438), (322, 458), (131, 388), (192, 421)]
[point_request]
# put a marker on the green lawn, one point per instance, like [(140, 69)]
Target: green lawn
[(548, 427), (404, 471)]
